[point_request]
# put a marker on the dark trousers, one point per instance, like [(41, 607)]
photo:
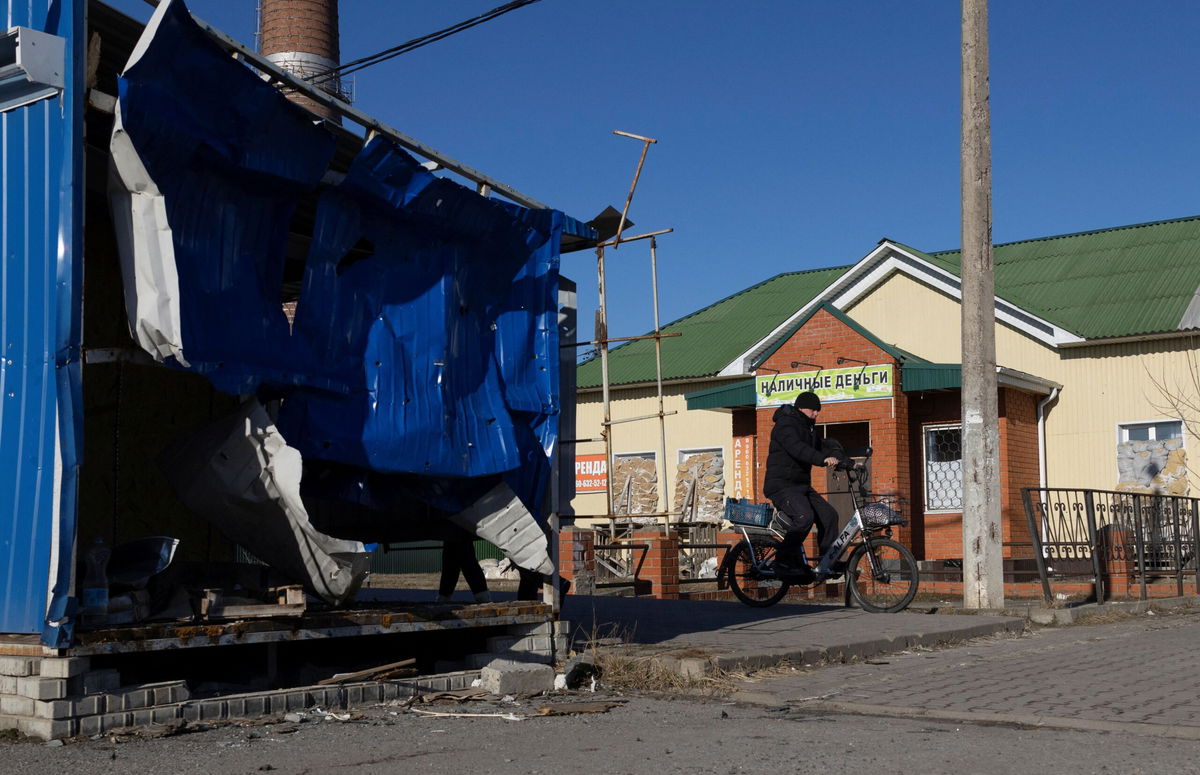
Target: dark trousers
[(804, 506), (459, 555)]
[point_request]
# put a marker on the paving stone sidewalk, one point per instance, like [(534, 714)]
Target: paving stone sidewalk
[(1137, 675)]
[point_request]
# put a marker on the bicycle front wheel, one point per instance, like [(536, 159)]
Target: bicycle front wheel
[(746, 573), (882, 575)]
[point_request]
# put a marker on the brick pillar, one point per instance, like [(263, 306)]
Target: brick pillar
[(1119, 553), (661, 564), (577, 558)]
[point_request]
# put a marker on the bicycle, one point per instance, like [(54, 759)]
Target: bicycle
[(881, 573)]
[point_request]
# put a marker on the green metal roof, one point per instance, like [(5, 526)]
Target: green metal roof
[(1115, 282), (713, 336), (723, 396)]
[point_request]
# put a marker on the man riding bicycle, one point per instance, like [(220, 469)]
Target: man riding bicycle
[(795, 448)]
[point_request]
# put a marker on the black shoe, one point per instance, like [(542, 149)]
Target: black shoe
[(796, 572), (836, 570)]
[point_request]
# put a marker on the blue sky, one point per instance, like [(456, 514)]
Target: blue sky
[(793, 134)]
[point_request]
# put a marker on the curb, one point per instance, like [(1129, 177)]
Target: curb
[(689, 663), (864, 649)]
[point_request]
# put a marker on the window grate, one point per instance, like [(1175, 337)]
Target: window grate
[(943, 468)]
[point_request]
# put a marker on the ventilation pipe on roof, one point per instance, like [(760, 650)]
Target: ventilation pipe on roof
[(301, 37), (1041, 425)]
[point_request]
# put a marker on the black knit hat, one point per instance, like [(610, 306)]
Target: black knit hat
[(808, 400)]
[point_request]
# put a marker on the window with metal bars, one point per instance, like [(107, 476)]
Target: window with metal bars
[(943, 468)]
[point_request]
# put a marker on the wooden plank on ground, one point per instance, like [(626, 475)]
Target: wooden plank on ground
[(365, 675)]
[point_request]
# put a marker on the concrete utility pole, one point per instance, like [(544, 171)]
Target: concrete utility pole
[(983, 565)]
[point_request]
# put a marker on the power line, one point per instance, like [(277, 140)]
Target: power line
[(424, 40)]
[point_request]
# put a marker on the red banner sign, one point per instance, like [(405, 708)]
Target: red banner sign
[(591, 473)]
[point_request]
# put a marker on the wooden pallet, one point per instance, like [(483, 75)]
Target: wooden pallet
[(275, 602)]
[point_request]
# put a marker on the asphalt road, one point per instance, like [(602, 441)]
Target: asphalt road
[(1111, 698)]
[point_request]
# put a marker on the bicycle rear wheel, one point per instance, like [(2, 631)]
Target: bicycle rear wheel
[(747, 580), (888, 584)]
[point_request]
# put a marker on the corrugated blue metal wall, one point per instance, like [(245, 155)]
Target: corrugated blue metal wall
[(40, 394)]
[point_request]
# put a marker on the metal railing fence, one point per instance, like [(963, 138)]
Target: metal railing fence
[(618, 564), (1078, 533)]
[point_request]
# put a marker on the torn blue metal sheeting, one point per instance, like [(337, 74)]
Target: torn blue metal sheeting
[(425, 342), (449, 325), (227, 158)]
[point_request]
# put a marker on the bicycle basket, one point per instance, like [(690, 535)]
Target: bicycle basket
[(882, 512), (740, 511)]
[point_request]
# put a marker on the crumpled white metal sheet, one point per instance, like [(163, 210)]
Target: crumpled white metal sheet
[(241, 475), (144, 241), (500, 517)]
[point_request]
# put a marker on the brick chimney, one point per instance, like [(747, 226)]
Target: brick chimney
[(301, 37)]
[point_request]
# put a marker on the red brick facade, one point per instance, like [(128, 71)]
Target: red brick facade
[(821, 340), (897, 432), (895, 428)]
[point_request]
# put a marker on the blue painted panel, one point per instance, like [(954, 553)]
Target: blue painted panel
[(40, 423)]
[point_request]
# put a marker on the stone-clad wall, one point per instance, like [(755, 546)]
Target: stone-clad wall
[(707, 470), (642, 478), (1153, 467)]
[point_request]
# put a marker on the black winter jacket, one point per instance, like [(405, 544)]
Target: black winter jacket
[(795, 449)]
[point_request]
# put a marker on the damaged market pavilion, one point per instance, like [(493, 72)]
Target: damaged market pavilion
[(235, 330)]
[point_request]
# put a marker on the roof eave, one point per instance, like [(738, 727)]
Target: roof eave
[(741, 365), (891, 258), (1124, 339), (1021, 380)]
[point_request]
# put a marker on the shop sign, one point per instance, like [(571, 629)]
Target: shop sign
[(743, 467), (831, 385), (591, 473)]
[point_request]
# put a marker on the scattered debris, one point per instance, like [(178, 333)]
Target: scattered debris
[(276, 601), (151, 732), (316, 714), (461, 695), (381, 672), (505, 716), (13, 736), (578, 708)]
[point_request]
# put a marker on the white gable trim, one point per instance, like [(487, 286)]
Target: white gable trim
[(876, 268)]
